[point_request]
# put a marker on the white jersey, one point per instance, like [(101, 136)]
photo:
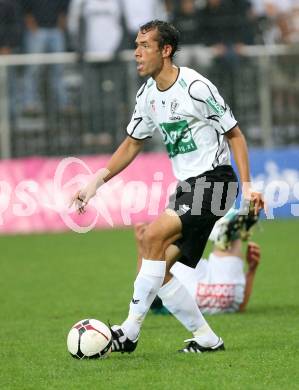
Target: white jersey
[(217, 284), (192, 118)]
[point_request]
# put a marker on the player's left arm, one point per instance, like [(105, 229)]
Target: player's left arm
[(239, 149), (253, 258)]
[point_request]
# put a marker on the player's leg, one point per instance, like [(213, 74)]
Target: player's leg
[(139, 232), (153, 271), (171, 252), (178, 301), (159, 234), (197, 224)]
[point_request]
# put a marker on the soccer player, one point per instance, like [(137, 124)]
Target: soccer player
[(219, 284), (197, 127)]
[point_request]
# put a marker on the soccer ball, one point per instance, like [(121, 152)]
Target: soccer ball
[(89, 339)]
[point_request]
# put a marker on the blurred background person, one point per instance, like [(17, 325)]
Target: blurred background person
[(44, 33), (95, 28), (285, 15), (186, 18), (277, 20), (10, 43), (10, 26), (293, 23), (283, 29), (274, 14), (226, 26), (223, 283), (136, 13)]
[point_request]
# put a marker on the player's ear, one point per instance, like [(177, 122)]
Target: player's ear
[(166, 51)]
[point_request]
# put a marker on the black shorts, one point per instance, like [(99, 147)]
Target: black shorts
[(199, 202)]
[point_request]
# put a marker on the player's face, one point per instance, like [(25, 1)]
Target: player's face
[(148, 55)]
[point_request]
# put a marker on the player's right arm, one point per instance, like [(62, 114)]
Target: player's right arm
[(121, 158), (140, 128)]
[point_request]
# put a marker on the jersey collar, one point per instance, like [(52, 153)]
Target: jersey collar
[(164, 90)]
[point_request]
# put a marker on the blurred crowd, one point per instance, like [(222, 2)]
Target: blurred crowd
[(106, 27)]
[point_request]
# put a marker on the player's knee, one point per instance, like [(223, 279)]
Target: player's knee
[(152, 237), (140, 229)]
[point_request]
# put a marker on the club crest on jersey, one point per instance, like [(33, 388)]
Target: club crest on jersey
[(173, 107)]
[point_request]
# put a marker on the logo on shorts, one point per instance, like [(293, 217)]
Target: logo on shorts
[(184, 208), (135, 301)]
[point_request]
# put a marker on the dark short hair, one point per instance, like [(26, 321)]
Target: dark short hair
[(167, 34)]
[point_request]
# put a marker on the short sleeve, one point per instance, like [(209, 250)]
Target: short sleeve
[(210, 105), (140, 126)]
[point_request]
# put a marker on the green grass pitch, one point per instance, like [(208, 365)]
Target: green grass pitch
[(48, 282)]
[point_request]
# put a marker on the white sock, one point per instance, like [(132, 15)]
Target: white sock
[(146, 286), (182, 305)]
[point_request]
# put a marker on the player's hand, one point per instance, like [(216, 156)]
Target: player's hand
[(82, 197), (254, 197), (253, 256)]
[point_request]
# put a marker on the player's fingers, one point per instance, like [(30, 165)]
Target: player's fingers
[(254, 251), (255, 258), (81, 209), (256, 206), (253, 247), (80, 202), (255, 254), (73, 199), (258, 203), (262, 203), (252, 244)]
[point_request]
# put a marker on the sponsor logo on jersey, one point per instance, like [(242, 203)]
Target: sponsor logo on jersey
[(216, 107), (178, 138), (183, 83)]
